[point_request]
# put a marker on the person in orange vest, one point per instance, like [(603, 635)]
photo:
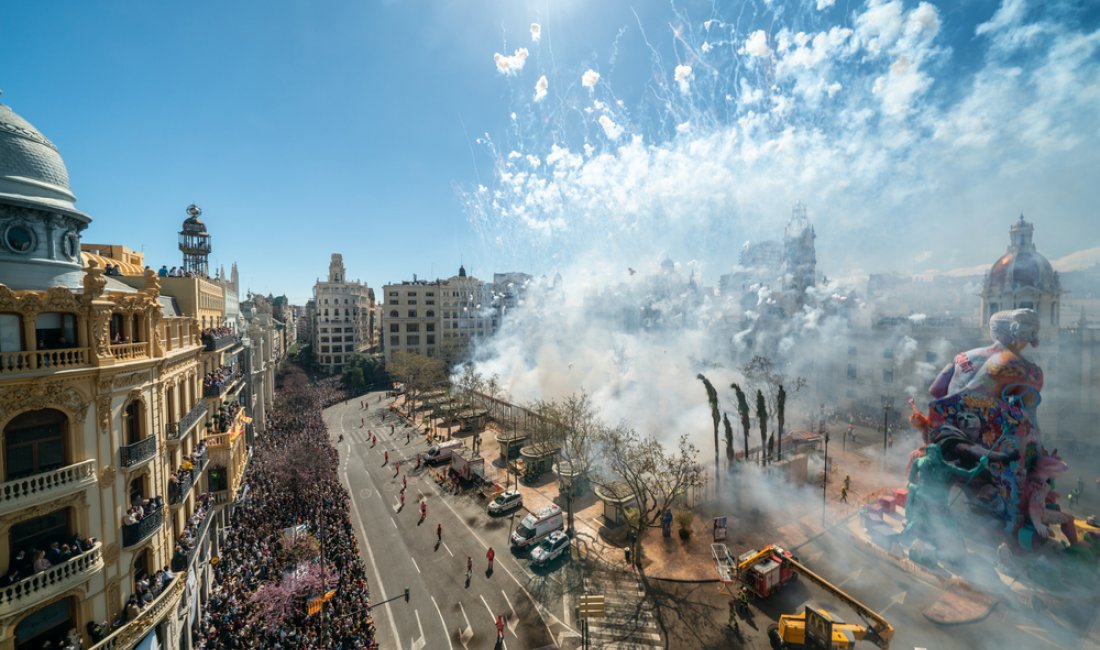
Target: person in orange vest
[(489, 555), (423, 508), (500, 626)]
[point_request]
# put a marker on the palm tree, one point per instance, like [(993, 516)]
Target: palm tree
[(729, 440), (762, 416), (743, 411), (712, 397), (781, 411)]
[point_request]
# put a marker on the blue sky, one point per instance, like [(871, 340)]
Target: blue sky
[(914, 133)]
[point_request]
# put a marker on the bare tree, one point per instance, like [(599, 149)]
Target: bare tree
[(712, 398), (761, 374), (762, 418), (653, 474)]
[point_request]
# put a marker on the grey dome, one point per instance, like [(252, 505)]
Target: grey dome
[(32, 172)]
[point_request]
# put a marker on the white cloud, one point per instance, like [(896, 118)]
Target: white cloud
[(511, 64), (757, 44), (589, 78), (540, 88), (705, 47), (825, 4), (683, 77), (536, 32), (610, 128)]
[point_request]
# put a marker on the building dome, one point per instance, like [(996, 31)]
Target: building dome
[(1022, 266), (32, 172)]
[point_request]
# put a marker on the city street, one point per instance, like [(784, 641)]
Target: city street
[(402, 551)]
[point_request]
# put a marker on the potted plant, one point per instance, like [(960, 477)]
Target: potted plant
[(684, 518)]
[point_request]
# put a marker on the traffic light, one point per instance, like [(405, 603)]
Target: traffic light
[(406, 594)]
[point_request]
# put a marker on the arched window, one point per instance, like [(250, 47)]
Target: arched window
[(142, 562), (35, 442), (430, 314), (50, 623), (393, 313)]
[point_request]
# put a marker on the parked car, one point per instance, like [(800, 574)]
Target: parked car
[(505, 501), (551, 548)]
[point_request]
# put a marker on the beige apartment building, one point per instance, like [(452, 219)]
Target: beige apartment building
[(438, 318), (343, 318)]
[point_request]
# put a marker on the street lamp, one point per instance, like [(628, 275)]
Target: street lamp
[(825, 482)]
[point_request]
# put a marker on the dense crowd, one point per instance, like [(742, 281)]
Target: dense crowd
[(292, 482), (29, 561), (186, 470), (140, 509), (225, 416), (209, 334), (218, 376)]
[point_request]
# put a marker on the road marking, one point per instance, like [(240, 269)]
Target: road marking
[(415, 564), (393, 521), (486, 603), (513, 619), (440, 612), (448, 548), (420, 642), (565, 607), (468, 633), (374, 565)]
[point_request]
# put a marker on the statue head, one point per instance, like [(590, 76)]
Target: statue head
[(1015, 328)]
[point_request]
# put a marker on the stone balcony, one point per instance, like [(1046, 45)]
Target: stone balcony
[(47, 585), (12, 363), (31, 490), (181, 429), (139, 452), (130, 634), (144, 529), (215, 343), (219, 389), (179, 494), (128, 351)]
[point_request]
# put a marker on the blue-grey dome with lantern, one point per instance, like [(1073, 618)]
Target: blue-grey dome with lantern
[(39, 223)]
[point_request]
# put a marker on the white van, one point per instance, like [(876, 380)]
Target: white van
[(442, 451), (537, 525)]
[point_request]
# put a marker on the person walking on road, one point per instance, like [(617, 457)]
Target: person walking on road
[(500, 626), (396, 467), (386, 457), (408, 436), (439, 533), (402, 500), (423, 508), (489, 555), (404, 482), (392, 427), (844, 494), (469, 567)]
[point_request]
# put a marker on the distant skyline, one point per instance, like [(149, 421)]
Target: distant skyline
[(389, 133)]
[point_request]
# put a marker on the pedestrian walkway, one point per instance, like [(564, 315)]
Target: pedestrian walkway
[(628, 621)]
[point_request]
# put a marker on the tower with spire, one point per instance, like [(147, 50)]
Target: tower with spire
[(194, 243)]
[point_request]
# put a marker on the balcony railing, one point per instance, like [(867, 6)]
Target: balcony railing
[(189, 480), (140, 451), (130, 634), (30, 490), (46, 585), (180, 429), (215, 343), (142, 530), (126, 351), (18, 362), (215, 390)]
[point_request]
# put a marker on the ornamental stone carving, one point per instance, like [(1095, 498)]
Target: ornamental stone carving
[(110, 553), (122, 381), (40, 395), (103, 409), (101, 331), (94, 282), (107, 475), (152, 283)]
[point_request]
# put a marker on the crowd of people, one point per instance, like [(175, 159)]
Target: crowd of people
[(219, 376), (185, 545), (146, 590), (177, 272), (223, 419), (274, 500), (186, 470), (140, 509), (210, 334), (29, 561)]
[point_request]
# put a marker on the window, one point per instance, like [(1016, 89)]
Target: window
[(40, 532), (430, 294), (852, 350), (131, 422), (324, 339), (11, 333), (35, 443), (412, 327), (888, 376), (412, 313), (50, 623), (430, 314), (431, 339), (412, 340), (324, 348), (429, 327), (53, 330), (395, 341), (393, 294), (1027, 305), (851, 371), (888, 354), (394, 327), (394, 314)]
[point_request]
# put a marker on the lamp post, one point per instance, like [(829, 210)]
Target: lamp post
[(825, 481), (887, 402)]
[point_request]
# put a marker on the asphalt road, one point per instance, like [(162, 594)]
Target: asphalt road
[(402, 551)]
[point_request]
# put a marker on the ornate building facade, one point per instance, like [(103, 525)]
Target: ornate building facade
[(121, 441), (344, 318)]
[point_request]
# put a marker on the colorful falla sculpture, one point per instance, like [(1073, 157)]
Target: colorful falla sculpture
[(983, 421)]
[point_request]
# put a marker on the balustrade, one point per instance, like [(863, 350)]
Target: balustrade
[(142, 530), (44, 585), (22, 492), (28, 361), (140, 451), (127, 351)]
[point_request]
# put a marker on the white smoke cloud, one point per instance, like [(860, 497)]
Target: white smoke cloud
[(536, 32), (511, 64), (683, 76), (589, 78), (540, 89), (610, 128), (757, 44)]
